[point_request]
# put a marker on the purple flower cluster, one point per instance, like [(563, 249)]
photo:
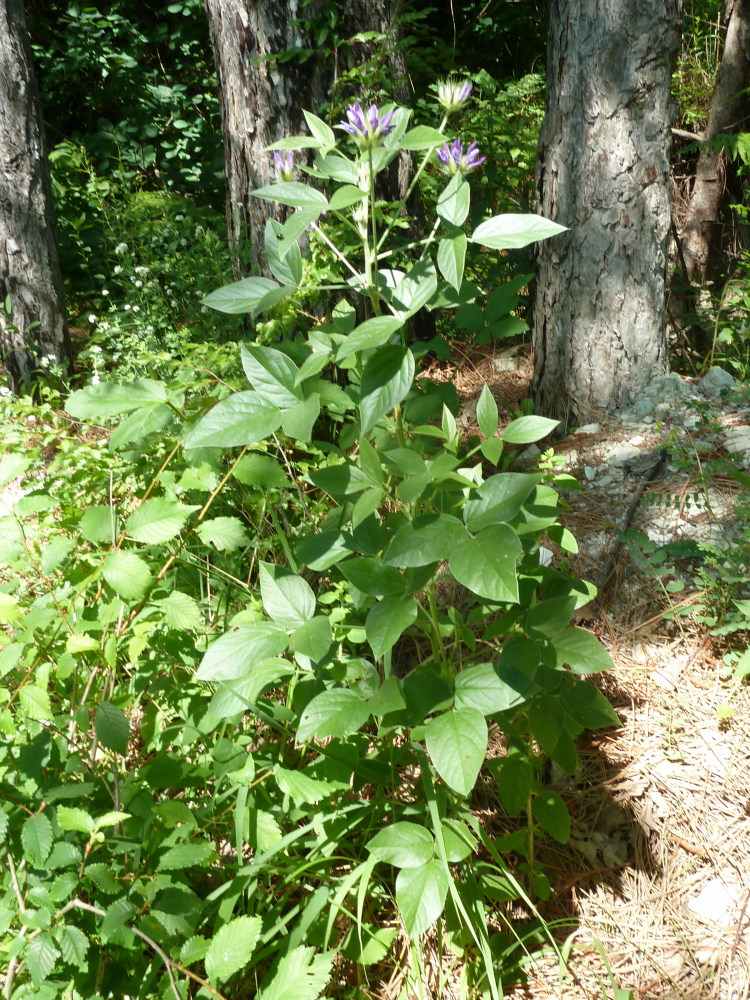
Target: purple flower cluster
[(367, 127), (454, 160)]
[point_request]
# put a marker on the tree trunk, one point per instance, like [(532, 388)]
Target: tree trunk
[(33, 327), (262, 99), (599, 322), (701, 236)]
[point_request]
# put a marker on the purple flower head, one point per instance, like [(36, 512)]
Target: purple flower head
[(453, 94), (455, 161), (284, 163), (367, 127)]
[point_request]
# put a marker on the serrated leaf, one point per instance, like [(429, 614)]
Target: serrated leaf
[(118, 914), (196, 854), (514, 231), (338, 713), (9, 609), (127, 574), (287, 598), (109, 399), (386, 379), (232, 948), (261, 472), (112, 727), (55, 552), (99, 524), (194, 950), (41, 955), (300, 975), (241, 419), (387, 621), (73, 945), (35, 703), (12, 466), (235, 653), (75, 819), (180, 611), (403, 845), (457, 745), (486, 564), (225, 534), (420, 895), (158, 520), (302, 788), (102, 877), (36, 838)]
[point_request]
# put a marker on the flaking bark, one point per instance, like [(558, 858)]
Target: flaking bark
[(603, 171), (30, 279)]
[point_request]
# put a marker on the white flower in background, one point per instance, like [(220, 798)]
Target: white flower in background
[(142, 270), (105, 291), (4, 390), (95, 380), (104, 326), (121, 248), (136, 309), (138, 284), (118, 269), (96, 350), (92, 318), (127, 307)]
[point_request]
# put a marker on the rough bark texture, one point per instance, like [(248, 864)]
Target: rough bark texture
[(701, 236), (599, 324), (29, 269), (262, 100)]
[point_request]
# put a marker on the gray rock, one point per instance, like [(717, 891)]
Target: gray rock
[(589, 472), (588, 429), (737, 439), (717, 382), (621, 455)]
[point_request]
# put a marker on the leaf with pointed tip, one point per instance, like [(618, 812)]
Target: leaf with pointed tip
[(240, 419), (457, 745), (514, 231)]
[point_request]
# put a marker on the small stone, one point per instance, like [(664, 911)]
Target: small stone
[(605, 481), (589, 472), (621, 455), (643, 407), (737, 439), (716, 902), (716, 382), (531, 452), (587, 429)]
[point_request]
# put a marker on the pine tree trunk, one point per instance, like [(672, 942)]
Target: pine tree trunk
[(599, 323), (701, 236), (30, 282), (262, 99)]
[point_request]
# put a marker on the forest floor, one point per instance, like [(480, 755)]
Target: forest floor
[(654, 886)]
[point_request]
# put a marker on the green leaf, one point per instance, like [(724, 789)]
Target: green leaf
[(101, 875), (338, 712), (272, 374), (109, 399), (346, 196), (99, 524), (293, 193), (552, 814), (581, 651), (325, 549), (235, 653), (321, 132), (340, 480), (403, 845), (261, 472), (386, 622), (286, 269), (451, 258), (372, 333), (180, 611), (454, 201), (74, 945), (300, 975), (512, 231), (457, 744), (299, 420), (293, 142), (12, 466), (415, 289), (75, 819), (196, 854), (232, 948), (240, 419), (422, 137), (302, 788), (313, 639), (139, 424), (547, 720), (41, 956), (287, 598), (481, 687), (158, 520), (515, 779), (486, 565), (372, 577), (527, 430), (458, 839), (35, 703), (225, 534), (36, 838), (487, 415), (427, 539), (295, 226), (250, 295), (499, 499), (588, 706), (127, 574), (112, 727), (118, 914), (194, 950), (420, 895), (386, 379), (55, 552)]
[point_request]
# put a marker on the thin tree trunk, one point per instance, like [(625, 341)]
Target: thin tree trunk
[(32, 306), (701, 236), (599, 323)]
